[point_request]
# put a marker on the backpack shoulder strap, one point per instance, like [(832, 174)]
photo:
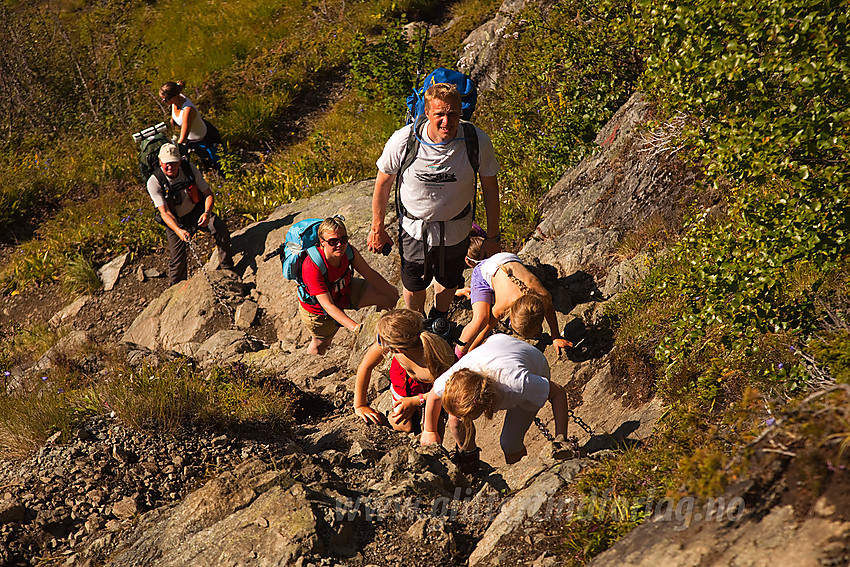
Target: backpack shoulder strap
[(470, 134), (162, 178), (411, 149), (187, 169), (316, 257)]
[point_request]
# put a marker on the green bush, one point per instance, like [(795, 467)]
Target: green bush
[(764, 85), (833, 352), (383, 70), (579, 64)]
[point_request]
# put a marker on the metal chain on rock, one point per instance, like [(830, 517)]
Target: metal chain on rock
[(580, 422), (216, 289)]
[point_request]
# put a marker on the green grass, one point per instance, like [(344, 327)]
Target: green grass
[(162, 399), (80, 277)]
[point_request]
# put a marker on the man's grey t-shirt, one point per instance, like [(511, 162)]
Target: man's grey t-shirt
[(439, 184)]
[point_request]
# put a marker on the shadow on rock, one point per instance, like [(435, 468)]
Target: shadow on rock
[(617, 439), (251, 242)]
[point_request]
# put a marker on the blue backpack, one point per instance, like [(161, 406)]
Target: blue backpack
[(302, 240), (465, 86)]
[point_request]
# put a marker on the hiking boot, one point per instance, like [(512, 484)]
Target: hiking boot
[(467, 461)]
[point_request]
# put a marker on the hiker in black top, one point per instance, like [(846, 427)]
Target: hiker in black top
[(185, 202), (435, 198)]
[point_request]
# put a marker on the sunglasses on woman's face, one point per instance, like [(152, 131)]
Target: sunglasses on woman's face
[(334, 242)]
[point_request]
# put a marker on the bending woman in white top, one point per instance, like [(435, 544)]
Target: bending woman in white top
[(504, 373), (193, 128), (502, 285)]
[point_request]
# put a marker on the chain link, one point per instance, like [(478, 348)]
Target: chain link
[(573, 440), (216, 289), (580, 422), (542, 427)]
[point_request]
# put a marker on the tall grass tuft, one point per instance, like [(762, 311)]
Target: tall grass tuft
[(80, 277), (165, 399), (27, 420)]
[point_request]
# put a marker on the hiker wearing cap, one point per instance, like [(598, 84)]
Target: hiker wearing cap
[(436, 195), (185, 204), (194, 130)]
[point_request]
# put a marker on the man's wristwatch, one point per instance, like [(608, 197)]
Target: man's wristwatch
[(497, 238)]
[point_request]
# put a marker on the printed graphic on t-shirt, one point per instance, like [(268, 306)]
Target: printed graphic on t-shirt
[(338, 286), (436, 173)]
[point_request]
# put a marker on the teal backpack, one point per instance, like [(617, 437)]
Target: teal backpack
[(302, 240)]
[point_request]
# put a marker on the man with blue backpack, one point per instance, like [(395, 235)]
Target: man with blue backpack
[(433, 163), (326, 286)]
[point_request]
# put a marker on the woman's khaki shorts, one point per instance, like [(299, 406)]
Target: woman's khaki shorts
[(323, 326)]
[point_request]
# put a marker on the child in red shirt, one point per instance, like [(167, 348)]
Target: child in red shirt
[(338, 289)]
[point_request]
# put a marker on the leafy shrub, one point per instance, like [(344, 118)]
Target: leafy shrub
[(767, 80), (579, 65), (833, 351), (383, 70), (765, 86)]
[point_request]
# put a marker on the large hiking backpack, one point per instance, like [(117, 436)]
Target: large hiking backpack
[(302, 240), (149, 154), (465, 86), (416, 114)]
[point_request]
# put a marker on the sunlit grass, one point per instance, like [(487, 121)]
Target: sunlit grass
[(164, 399)]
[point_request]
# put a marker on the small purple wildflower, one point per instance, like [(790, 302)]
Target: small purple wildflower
[(770, 422), (780, 366), (44, 378)]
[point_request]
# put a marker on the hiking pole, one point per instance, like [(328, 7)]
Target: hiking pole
[(420, 68)]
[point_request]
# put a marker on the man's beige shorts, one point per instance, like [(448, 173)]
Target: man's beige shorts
[(324, 326)]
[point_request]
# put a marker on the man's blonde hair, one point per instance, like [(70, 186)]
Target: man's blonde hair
[(445, 92)]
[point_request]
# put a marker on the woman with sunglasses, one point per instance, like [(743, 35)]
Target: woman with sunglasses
[(335, 288), (418, 357), (502, 286), (194, 131)]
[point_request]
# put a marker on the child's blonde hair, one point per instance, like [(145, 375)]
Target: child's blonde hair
[(403, 329), (332, 224), (527, 314), (527, 311), (468, 395)]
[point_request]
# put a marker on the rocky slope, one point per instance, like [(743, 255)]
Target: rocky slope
[(336, 491)]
